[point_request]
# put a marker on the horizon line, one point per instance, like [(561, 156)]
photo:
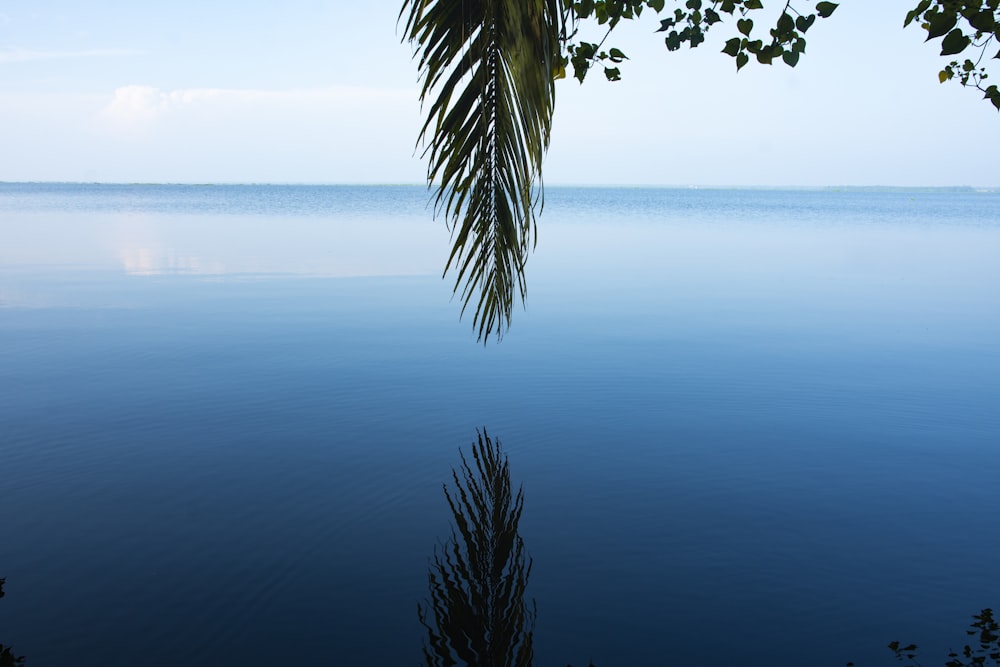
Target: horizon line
[(621, 186)]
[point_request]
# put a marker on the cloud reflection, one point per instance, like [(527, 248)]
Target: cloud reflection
[(153, 262), (139, 244), (296, 246)]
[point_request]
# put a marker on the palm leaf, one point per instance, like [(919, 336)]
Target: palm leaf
[(487, 69)]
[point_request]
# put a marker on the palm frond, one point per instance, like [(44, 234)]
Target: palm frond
[(487, 70)]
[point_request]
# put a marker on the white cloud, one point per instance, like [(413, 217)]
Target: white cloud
[(142, 103), (135, 103), (144, 133), (16, 55)]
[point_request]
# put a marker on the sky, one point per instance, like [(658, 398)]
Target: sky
[(311, 91)]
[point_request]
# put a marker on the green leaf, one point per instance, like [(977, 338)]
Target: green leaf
[(954, 42), (741, 60), (666, 24), (613, 73), (791, 58), (824, 9), (732, 47), (939, 24), (916, 11), (993, 95), (785, 23), (616, 55), (753, 4), (803, 23), (984, 21), (745, 26), (656, 5)]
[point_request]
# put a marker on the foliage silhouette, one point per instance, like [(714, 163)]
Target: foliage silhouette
[(477, 614), (962, 25), (988, 649), (689, 24), (7, 657)]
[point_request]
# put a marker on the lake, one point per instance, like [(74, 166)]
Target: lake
[(752, 426)]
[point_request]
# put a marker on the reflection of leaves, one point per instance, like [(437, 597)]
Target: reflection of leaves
[(984, 626), (477, 614), (7, 658)]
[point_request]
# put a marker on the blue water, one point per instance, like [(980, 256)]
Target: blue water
[(752, 426)]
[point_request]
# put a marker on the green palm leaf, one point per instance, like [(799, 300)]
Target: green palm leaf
[(487, 68)]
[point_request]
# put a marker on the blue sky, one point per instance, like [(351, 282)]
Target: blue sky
[(305, 91)]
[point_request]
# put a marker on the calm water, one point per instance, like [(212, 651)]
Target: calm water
[(753, 427)]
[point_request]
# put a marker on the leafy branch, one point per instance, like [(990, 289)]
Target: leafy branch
[(690, 24), (961, 25)]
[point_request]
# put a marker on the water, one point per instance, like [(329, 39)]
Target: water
[(752, 426)]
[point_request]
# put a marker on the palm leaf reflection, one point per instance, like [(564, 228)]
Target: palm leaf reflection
[(477, 614)]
